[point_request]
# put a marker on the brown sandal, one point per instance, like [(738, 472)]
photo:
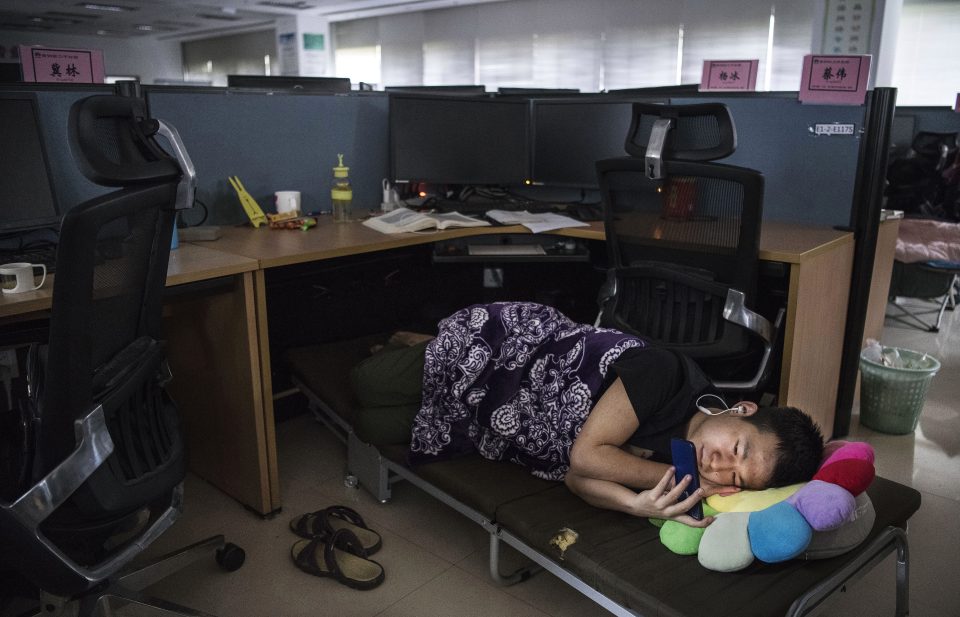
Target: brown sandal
[(324, 523), (341, 557)]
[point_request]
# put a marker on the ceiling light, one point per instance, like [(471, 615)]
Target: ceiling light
[(145, 27), (72, 15), (289, 4), (113, 8), (220, 16)]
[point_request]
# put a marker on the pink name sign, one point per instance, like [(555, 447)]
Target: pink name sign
[(834, 80), (78, 66), (729, 75)]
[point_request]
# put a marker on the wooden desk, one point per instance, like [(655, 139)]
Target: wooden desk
[(819, 260), (216, 323), (210, 323)]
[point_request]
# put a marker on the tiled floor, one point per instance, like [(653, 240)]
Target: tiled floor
[(435, 559)]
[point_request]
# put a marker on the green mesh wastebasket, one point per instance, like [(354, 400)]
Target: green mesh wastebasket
[(891, 398)]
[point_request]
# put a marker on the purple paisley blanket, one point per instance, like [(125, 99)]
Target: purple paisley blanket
[(513, 381)]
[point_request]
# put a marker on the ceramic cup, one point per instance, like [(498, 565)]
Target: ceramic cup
[(19, 277), (287, 201)]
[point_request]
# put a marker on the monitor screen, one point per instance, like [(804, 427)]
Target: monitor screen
[(569, 137), (27, 199), (901, 133), (290, 82), (458, 140)]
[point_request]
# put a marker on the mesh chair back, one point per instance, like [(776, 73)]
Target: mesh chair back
[(105, 322), (676, 246)]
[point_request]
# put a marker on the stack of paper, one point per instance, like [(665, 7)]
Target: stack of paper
[(536, 223)]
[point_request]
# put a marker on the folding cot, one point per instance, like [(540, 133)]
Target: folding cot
[(617, 561)]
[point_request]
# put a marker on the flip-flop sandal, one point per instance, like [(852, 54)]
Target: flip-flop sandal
[(340, 557), (323, 523)]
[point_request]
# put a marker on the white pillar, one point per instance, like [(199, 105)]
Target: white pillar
[(303, 46), (859, 27)]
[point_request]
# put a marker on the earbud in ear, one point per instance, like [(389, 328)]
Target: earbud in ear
[(739, 410)]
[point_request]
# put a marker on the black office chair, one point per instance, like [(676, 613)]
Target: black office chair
[(683, 237), (101, 467), (915, 182)]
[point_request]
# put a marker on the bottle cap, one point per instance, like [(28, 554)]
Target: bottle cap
[(340, 171)]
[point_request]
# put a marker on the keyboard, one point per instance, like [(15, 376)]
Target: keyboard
[(46, 255)]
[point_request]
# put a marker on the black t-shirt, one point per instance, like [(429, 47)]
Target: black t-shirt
[(663, 386)]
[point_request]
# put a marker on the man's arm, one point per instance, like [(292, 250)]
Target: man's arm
[(601, 471)]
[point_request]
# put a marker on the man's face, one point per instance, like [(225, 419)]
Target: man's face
[(731, 452)]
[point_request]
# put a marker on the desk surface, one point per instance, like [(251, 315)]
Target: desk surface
[(188, 264), (786, 242)]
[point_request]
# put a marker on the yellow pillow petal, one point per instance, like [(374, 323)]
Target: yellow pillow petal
[(752, 501)]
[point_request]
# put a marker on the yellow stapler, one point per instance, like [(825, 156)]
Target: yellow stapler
[(250, 205)]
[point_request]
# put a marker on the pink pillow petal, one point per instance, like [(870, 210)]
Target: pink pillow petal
[(855, 475), (856, 450)]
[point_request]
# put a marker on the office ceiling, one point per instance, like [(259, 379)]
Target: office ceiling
[(185, 18)]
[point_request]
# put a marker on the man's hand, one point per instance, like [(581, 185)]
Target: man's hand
[(661, 502), (714, 488)]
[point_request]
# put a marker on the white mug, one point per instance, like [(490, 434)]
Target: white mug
[(19, 277), (287, 201)]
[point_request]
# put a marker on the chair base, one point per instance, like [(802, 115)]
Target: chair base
[(111, 598)]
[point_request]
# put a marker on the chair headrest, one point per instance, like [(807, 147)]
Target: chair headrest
[(112, 140), (930, 144), (700, 132)]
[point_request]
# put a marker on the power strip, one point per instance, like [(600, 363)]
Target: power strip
[(201, 233)]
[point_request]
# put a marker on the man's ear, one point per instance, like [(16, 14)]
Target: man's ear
[(748, 408)]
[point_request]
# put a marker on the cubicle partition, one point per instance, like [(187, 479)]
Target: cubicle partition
[(808, 178), (933, 119), (70, 186), (277, 142)]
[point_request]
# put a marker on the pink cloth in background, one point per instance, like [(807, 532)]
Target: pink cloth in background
[(922, 240)]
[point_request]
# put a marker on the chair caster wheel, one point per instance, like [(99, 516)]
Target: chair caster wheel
[(351, 481), (230, 557)]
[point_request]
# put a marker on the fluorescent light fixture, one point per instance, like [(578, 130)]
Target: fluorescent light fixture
[(112, 8)]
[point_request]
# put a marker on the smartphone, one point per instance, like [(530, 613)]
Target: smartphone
[(684, 456)]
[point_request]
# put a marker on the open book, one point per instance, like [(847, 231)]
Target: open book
[(403, 220)]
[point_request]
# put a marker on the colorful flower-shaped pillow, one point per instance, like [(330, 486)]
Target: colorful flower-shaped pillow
[(821, 518)]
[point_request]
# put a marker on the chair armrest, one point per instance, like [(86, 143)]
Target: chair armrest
[(735, 310), (769, 338), (94, 445)]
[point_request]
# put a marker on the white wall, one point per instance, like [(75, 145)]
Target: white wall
[(145, 57)]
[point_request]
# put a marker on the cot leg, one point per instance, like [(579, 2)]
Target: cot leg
[(890, 540), (908, 313), (366, 467), (520, 575), (903, 579)]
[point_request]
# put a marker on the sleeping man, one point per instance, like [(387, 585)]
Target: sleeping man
[(593, 407)]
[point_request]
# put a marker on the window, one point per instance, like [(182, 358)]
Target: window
[(926, 69), (591, 46)]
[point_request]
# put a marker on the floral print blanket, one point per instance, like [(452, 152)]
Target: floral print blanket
[(513, 381)]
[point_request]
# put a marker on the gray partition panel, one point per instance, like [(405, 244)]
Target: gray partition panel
[(278, 142), (808, 178), (933, 119), (70, 186)]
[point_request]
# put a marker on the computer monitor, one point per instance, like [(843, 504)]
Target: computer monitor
[(570, 136), (27, 199), (447, 89), (290, 82), (459, 140), (902, 130), (537, 91)]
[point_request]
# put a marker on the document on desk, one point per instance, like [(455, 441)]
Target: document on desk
[(536, 223)]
